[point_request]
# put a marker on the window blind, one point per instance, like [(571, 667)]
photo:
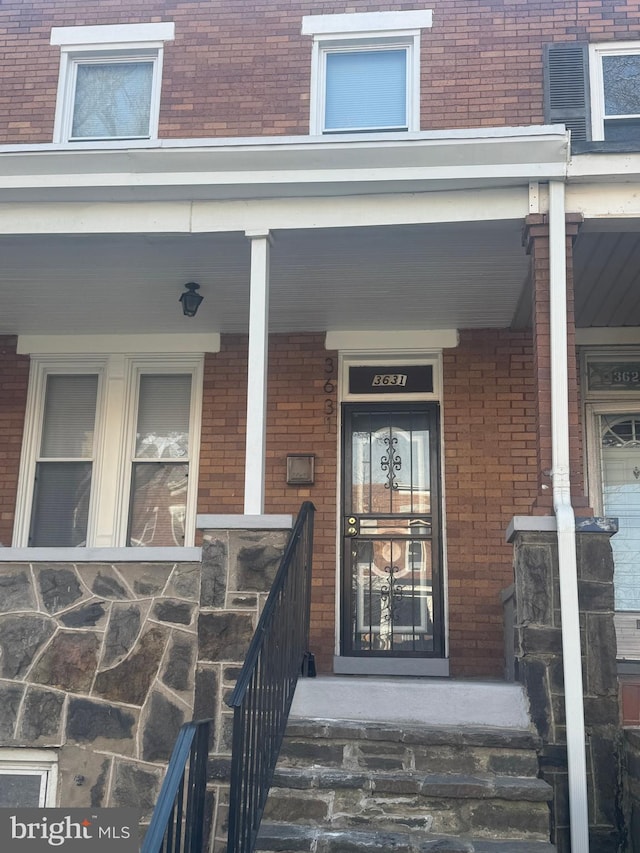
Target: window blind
[(366, 89)]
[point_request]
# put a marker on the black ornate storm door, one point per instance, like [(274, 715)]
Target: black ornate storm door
[(392, 590)]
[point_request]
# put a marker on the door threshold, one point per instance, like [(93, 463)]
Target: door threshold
[(436, 667)]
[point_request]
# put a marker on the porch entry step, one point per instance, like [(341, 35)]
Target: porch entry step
[(419, 787), (428, 701), (288, 838)]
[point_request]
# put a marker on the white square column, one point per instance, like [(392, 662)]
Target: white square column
[(254, 471)]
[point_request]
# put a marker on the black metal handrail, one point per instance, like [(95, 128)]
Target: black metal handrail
[(177, 823), (264, 690)]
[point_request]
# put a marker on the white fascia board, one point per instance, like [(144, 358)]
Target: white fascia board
[(487, 174), (603, 167), (604, 201), (113, 34), (337, 141), (536, 144), (107, 344), (418, 340), (366, 22), (199, 217)]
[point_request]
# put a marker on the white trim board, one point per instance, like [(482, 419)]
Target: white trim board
[(106, 344), (111, 33), (367, 22), (382, 341)]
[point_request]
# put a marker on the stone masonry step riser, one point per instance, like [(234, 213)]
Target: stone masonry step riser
[(443, 786), (354, 809), (397, 756), (294, 839)]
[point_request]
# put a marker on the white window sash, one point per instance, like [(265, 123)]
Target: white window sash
[(408, 41), (596, 81), (34, 762)]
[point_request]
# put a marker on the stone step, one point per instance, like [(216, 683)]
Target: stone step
[(289, 838), (450, 809), (428, 701), (355, 746), (437, 785)]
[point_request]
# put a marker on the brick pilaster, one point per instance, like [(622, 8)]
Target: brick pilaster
[(536, 241)]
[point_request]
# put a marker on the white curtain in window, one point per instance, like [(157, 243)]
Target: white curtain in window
[(160, 474), (62, 485), (112, 100), (366, 89)]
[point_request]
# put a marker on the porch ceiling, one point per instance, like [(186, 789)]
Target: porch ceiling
[(432, 276), (606, 268)]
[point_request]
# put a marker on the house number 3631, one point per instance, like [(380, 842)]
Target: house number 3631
[(329, 390)]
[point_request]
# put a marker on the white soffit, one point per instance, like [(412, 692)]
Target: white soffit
[(390, 341)]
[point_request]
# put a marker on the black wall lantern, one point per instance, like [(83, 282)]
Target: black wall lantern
[(191, 299)]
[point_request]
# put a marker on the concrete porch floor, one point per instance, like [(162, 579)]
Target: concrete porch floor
[(428, 701)]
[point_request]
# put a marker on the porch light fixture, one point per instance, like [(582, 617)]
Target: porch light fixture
[(191, 299)]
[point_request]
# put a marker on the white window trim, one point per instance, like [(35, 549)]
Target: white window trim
[(33, 762), (115, 413), (618, 401), (596, 80), (115, 43), (373, 30)]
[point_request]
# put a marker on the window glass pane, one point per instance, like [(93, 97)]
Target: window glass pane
[(163, 417), (20, 790), (366, 89), (112, 100), (69, 417), (158, 504), (621, 76), (60, 504)]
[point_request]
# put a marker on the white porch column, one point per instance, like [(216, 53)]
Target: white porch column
[(254, 463), (567, 559)]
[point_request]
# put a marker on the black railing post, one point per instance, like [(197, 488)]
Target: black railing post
[(264, 690), (178, 818)]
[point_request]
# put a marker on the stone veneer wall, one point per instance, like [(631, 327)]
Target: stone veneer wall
[(103, 663), (631, 787), (538, 665)]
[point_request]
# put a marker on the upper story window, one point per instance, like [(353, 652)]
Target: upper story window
[(594, 90), (109, 84), (365, 71), (615, 91)]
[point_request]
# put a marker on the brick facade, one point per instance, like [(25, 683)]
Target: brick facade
[(301, 418), (14, 375), (489, 476), (241, 68)]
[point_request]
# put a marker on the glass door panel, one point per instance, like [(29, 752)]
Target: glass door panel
[(391, 586)]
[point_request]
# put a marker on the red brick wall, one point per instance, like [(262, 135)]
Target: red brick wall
[(301, 418), (490, 476), (14, 375), (489, 469), (242, 68)]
